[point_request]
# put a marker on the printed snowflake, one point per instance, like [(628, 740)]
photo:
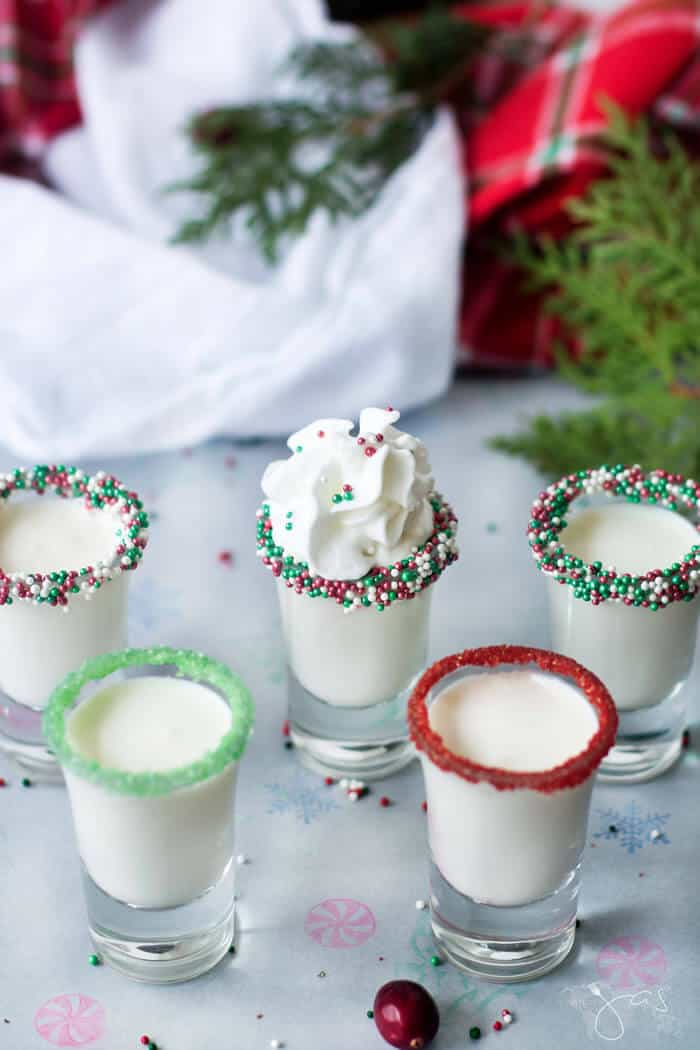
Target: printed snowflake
[(301, 794), (632, 828), (151, 605)]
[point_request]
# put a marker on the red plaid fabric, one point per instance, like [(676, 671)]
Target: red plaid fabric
[(37, 88), (530, 151)]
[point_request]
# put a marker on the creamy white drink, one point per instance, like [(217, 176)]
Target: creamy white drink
[(355, 535), (68, 541), (622, 579), (161, 851), (510, 739), (519, 721), (149, 742), (641, 657), (39, 645)]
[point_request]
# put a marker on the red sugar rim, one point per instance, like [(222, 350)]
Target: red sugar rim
[(566, 775)]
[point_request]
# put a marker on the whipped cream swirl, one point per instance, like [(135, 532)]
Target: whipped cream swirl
[(346, 502)]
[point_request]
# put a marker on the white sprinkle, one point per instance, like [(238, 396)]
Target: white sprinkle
[(276, 1044), (344, 782), (353, 795), (242, 859), (421, 905), (654, 834)]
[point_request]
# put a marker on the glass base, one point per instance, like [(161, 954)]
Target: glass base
[(649, 741), (163, 945), (504, 944), (367, 743), (22, 740)]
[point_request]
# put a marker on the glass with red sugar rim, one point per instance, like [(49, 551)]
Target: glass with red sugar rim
[(506, 844), (568, 774)]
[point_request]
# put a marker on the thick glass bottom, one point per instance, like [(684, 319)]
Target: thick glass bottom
[(163, 945), (504, 944), (22, 740), (363, 742), (649, 741)]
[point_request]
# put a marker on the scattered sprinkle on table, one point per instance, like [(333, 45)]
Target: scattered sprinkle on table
[(226, 557), (491, 526), (242, 859), (232, 950), (384, 801), (321, 973), (654, 834), (288, 745), (3, 782), (328, 781), (26, 782), (94, 960), (612, 828), (475, 1032), (276, 1044), (421, 905), (507, 1016), (497, 1026), (424, 806), (685, 739), (435, 960), (370, 1014)]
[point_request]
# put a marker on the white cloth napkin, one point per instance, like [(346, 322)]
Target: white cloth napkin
[(112, 341)]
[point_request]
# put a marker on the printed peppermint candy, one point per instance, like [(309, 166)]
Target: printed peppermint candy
[(632, 962), (70, 1020), (594, 583), (340, 923)]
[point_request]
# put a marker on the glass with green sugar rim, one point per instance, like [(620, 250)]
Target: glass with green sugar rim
[(149, 741)]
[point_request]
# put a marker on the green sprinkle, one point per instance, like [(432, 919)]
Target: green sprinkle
[(336, 497), (26, 782), (299, 448), (348, 495), (370, 1014), (475, 1032), (435, 960), (94, 960), (491, 527)]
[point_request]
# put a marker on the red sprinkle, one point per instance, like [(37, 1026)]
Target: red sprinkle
[(328, 781), (384, 801), (379, 437), (321, 433), (285, 728), (226, 557), (3, 782), (145, 1040), (685, 739), (497, 1026), (347, 488), (424, 806), (369, 451)]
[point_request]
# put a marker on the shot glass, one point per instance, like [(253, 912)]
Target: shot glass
[(69, 555), (354, 650), (156, 844), (506, 844), (611, 607)]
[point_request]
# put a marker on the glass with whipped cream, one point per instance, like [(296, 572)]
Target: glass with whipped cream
[(356, 535), (510, 739), (623, 574), (149, 741), (65, 562)]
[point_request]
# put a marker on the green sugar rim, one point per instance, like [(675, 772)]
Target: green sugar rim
[(194, 665)]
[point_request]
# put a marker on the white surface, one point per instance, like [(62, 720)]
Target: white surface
[(522, 721), (48, 534), (164, 345), (308, 843), (149, 723), (354, 660), (40, 644), (388, 513), (633, 538)]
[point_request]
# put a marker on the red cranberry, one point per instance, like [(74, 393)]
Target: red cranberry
[(406, 1015)]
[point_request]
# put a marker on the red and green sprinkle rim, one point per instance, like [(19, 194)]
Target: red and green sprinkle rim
[(98, 491), (382, 585), (654, 590), (569, 774), (187, 663)]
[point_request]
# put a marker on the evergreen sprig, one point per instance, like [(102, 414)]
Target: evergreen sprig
[(361, 112), (626, 285)]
